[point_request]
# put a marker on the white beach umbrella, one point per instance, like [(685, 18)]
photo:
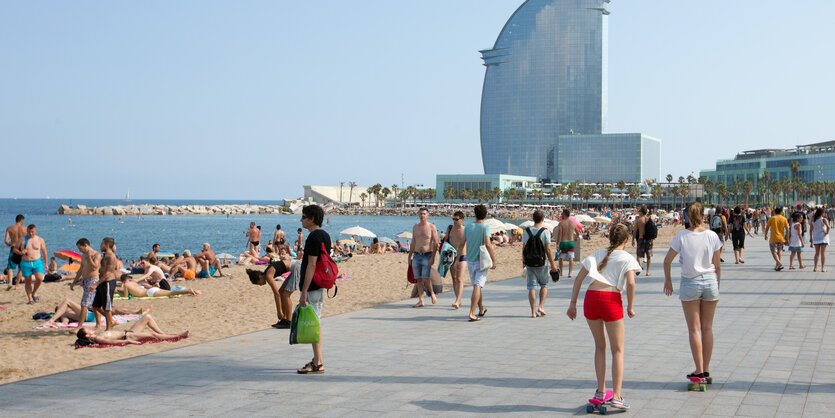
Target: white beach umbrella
[(405, 235), (494, 223), (584, 218), (603, 219), (387, 240), (358, 231), (526, 224), (509, 226)]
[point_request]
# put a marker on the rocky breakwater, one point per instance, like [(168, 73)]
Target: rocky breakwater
[(172, 210)]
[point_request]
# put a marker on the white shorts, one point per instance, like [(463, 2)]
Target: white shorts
[(316, 298), (477, 277), (152, 291)]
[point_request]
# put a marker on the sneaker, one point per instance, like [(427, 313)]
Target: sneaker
[(619, 403), (600, 396), (283, 324)]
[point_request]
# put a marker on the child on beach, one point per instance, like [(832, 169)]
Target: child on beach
[(796, 241), (611, 270)]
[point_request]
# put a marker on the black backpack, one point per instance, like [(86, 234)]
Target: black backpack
[(534, 252), (650, 230)]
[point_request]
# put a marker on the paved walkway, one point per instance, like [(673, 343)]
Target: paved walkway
[(774, 355)]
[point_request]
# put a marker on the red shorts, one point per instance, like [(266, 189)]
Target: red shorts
[(605, 305)]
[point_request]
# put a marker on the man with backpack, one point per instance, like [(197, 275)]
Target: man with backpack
[(536, 252), (317, 241), (645, 232), (719, 225)]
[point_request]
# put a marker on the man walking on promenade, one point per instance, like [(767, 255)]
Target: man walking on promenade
[(537, 258), (779, 227), (32, 249), (456, 239), (13, 234), (87, 276), (422, 255), (312, 216), (644, 243), (475, 235), (254, 236), (566, 232)]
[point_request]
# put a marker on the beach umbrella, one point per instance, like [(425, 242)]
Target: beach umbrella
[(358, 231), (387, 240), (70, 267), (603, 219), (162, 255), (350, 242), (509, 226), (584, 218), (494, 223), (67, 255), (404, 235), (224, 256)]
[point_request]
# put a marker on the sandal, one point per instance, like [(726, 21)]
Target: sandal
[(311, 368)]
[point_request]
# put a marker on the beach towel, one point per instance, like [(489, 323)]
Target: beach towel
[(170, 340), (120, 297), (345, 277), (446, 250), (119, 319), (3, 308)]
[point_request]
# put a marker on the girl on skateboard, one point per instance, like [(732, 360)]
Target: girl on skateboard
[(700, 250), (611, 270)]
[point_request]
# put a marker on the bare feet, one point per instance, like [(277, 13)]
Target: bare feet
[(648, 274), (418, 305), (815, 269), (534, 315), (541, 311), (803, 266), (143, 311), (434, 299), (196, 292), (456, 305), (185, 334), (823, 270)]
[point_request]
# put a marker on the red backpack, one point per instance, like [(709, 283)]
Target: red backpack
[(325, 274)]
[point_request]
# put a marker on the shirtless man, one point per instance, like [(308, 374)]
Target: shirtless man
[(106, 286), (185, 264), (207, 262), (153, 256), (278, 237), (456, 239), (131, 288), (13, 234), (422, 255), (135, 335), (87, 276), (567, 230), (153, 274), (300, 241), (32, 250), (254, 235), (644, 245)]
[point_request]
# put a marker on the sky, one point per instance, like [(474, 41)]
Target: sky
[(253, 99)]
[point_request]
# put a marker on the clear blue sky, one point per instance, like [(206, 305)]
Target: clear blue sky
[(252, 99)]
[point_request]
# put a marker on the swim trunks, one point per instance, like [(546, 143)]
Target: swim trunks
[(152, 291), (255, 243), (88, 295), (28, 268), (11, 264), (204, 275), (189, 275), (566, 250), (104, 295), (644, 248)]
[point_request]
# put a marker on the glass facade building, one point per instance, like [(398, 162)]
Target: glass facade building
[(608, 158), (486, 182), (546, 76), (817, 163)]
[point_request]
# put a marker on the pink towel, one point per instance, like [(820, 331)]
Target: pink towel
[(170, 340)]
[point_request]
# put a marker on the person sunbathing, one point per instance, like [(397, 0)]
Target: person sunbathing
[(135, 335), (130, 288), (69, 311)]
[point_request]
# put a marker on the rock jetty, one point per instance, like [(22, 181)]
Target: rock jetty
[(82, 210)]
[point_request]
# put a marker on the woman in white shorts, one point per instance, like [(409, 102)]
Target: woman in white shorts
[(700, 250), (820, 237)]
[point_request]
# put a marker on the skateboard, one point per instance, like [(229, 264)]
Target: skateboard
[(697, 383), (598, 405)]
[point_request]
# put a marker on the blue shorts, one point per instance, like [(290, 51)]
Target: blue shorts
[(420, 265), (538, 277), (204, 275), (29, 268), (11, 265), (704, 287)]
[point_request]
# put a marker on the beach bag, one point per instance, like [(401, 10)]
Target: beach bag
[(484, 260), (650, 230), (325, 274), (304, 328), (448, 254), (716, 222), (410, 275), (533, 254)]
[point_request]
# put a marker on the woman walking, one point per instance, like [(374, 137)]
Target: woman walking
[(700, 251), (796, 241), (820, 237), (611, 270)]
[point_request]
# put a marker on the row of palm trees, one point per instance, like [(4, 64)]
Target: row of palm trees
[(380, 194)]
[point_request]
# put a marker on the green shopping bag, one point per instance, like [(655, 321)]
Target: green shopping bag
[(304, 328)]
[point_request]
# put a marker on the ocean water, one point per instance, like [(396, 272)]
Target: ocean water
[(175, 233)]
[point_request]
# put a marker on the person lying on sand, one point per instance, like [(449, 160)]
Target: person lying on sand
[(129, 287), (135, 335), (69, 311)]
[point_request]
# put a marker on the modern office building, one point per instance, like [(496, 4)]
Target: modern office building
[(816, 163), (608, 158), (545, 92), (486, 182)]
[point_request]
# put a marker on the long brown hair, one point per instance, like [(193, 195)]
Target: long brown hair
[(617, 236)]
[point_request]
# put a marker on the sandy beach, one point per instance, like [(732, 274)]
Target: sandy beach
[(228, 306)]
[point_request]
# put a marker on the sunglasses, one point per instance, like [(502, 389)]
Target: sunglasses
[(456, 219)]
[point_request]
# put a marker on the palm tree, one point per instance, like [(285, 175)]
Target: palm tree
[(786, 186), (496, 193), (795, 168), (351, 184), (449, 193), (404, 195), (395, 192), (633, 194), (479, 194), (570, 189), (747, 187), (466, 194), (621, 185), (708, 189), (691, 179), (762, 189), (681, 179), (657, 191), (735, 186), (720, 186), (341, 183), (775, 188), (386, 192), (430, 193), (606, 193), (669, 178), (363, 196)]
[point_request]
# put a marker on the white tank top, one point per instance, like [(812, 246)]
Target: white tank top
[(794, 237)]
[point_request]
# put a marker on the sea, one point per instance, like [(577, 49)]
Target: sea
[(175, 233)]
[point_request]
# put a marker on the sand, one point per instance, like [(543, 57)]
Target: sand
[(228, 306)]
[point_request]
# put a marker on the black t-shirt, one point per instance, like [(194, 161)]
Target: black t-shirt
[(313, 246), (737, 223)]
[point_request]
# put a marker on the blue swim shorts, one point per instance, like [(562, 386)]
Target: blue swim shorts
[(11, 265), (28, 268)]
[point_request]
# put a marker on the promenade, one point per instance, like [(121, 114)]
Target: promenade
[(774, 356)]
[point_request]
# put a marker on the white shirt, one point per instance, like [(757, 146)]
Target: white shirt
[(696, 251), (614, 274)]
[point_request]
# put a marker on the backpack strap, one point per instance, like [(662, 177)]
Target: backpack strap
[(335, 291), (538, 233)]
